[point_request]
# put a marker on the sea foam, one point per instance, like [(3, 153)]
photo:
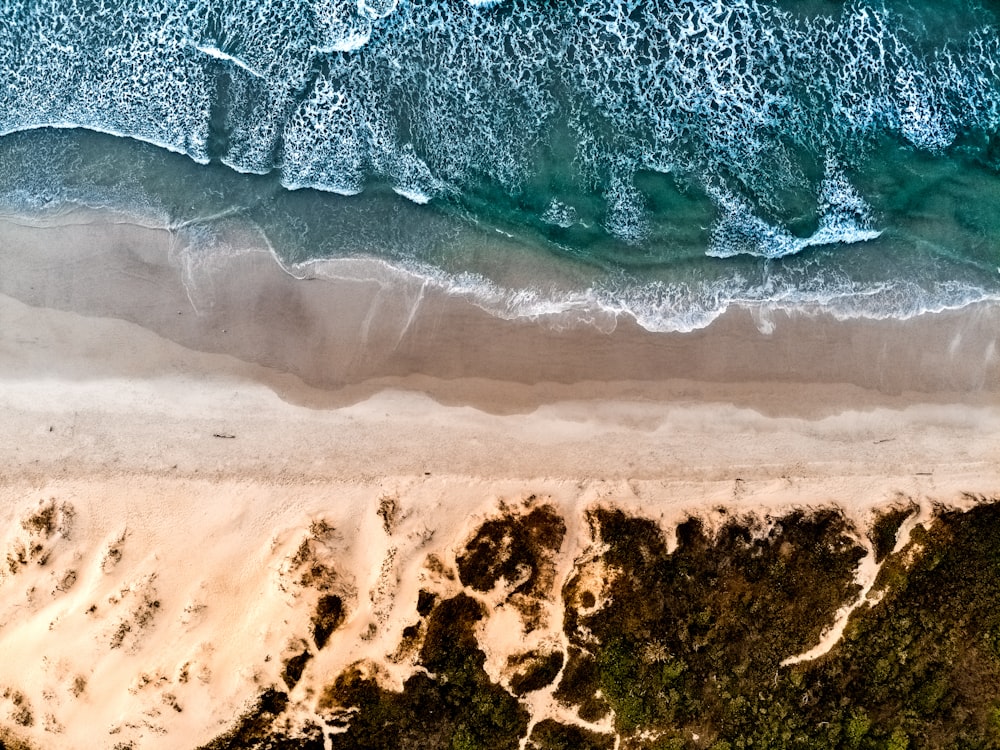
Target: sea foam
[(513, 109)]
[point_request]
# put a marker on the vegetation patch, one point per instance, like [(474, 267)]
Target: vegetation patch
[(684, 634), (260, 729), (453, 705), (20, 712), (534, 671), (388, 511), (293, 667), (328, 617), (9, 741), (43, 521), (518, 550), (578, 686), (48, 520), (551, 735), (309, 566), (425, 602), (514, 548), (921, 669), (885, 529)]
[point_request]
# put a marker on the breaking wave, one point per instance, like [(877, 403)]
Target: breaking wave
[(548, 115)]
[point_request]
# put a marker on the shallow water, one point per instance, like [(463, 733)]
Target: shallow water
[(661, 159)]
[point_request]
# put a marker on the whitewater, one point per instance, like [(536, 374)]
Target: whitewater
[(662, 160)]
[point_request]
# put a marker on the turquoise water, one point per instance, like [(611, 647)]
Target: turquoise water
[(662, 160)]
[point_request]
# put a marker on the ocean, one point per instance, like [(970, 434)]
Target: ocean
[(573, 161)]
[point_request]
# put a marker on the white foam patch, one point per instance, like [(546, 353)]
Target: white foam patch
[(269, 36), (665, 307), (323, 144), (559, 214), (65, 66), (256, 115), (411, 176), (218, 54), (412, 195), (844, 219), (627, 217), (376, 9), (342, 25), (923, 120)]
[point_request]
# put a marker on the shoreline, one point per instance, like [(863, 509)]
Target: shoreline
[(111, 356), (188, 450), (347, 338), (84, 394)]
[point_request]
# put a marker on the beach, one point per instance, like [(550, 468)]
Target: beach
[(183, 430), (486, 375)]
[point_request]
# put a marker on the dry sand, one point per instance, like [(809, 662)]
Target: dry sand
[(183, 429)]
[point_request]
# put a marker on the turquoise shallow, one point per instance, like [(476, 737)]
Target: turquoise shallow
[(661, 159)]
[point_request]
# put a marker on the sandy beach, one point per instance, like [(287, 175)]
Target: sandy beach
[(184, 428)]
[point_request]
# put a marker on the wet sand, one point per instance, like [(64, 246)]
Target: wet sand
[(206, 417)]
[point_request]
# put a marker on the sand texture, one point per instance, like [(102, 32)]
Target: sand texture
[(195, 461)]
